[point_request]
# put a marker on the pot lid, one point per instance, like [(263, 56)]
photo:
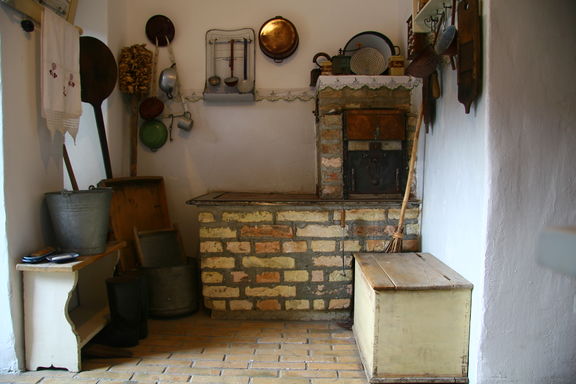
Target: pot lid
[(278, 38), (158, 28)]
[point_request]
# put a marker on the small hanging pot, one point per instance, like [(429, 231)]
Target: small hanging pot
[(167, 81), (151, 107), (278, 38)]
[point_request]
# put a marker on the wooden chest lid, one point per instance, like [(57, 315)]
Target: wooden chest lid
[(408, 271)]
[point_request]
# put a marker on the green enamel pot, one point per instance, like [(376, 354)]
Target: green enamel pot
[(153, 134)]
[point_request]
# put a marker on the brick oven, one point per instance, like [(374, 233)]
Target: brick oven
[(289, 256)]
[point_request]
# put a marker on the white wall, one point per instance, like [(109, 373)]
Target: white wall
[(32, 165), (106, 21), (495, 178), (263, 146), (455, 193), (530, 321), (454, 199)]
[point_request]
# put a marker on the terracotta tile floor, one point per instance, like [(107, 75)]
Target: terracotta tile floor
[(198, 349)]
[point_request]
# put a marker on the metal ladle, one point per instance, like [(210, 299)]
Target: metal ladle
[(214, 80), (232, 80), (245, 85)]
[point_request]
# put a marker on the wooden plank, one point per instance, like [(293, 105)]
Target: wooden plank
[(374, 273), (408, 271), (456, 280), (136, 202), (34, 10)]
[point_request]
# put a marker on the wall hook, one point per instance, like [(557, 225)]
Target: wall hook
[(27, 25)]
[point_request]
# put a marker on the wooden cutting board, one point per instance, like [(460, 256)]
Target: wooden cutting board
[(469, 52)]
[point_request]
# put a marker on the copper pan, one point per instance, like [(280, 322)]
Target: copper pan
[(278, 38)]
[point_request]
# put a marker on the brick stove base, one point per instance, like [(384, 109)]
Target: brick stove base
[(289, 257)]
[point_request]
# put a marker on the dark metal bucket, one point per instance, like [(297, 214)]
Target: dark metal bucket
[(80, 219), (173, 290)]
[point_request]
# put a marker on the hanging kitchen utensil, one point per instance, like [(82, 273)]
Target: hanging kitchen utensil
[(186, 122), (214, 80), (447, 43), (469, 52), (159, 28), (371, 39), (167, 81), (278, 38), (152, 106), (153, 134), (170, 127), (232, 80), (426, 61), (315, 73), (245, 85), (98, 74)]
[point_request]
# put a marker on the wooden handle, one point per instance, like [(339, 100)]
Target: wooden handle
[(134, 102), (69, 168), (103, 141), (411, 168)]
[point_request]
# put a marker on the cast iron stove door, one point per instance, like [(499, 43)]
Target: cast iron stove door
[(374, 172)]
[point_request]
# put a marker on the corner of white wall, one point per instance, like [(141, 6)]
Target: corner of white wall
[(8, 361)]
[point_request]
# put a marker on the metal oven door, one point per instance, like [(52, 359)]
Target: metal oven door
[(373, 172)]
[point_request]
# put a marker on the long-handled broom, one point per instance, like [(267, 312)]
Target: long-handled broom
[(395, 245)]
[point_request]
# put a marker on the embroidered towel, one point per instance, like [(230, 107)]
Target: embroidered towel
[(60, 74)]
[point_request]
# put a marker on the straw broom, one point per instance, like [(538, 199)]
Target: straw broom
[(395, 245)]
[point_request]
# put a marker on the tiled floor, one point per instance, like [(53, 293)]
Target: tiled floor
[(198, 349)]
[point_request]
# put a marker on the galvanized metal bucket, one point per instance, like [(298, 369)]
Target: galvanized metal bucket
[(80, 219), (173, 290)]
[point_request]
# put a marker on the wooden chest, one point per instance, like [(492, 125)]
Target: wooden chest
[(411, 318)]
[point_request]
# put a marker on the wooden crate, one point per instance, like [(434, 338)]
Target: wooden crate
[(137, 202), (411, 318)]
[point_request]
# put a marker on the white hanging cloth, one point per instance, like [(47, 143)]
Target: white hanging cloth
[(60, 74)]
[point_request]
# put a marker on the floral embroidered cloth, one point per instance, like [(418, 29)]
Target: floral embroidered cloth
[(60, 74)]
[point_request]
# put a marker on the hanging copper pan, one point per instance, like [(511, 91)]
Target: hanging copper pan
[(278, 38)]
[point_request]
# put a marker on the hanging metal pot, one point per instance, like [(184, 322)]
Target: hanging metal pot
[(278, 38), (168, 80)]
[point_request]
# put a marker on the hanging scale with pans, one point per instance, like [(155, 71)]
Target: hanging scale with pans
[(278, 38)]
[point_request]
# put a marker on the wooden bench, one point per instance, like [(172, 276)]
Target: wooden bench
[(411, 318), (65, 306)]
